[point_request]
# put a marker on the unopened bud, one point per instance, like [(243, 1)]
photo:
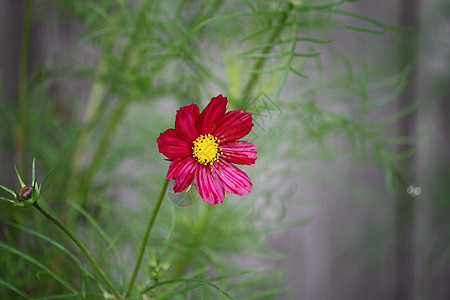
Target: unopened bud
[(25, 192)]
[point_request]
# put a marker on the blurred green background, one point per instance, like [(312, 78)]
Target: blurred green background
[(350, 196)]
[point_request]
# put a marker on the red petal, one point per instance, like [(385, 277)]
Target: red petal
[(208, 185), (239, 152), (186, 122), (234, 180), (172, 146), (210, 116), (182, 170), (234, 125)]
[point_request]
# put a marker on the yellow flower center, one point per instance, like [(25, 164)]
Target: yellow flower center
[(206, 149)]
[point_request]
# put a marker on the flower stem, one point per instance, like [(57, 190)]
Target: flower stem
[(151, 221), (81, 246), (261, 61)]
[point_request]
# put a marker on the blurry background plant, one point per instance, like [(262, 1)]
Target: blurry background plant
[(89, 85)]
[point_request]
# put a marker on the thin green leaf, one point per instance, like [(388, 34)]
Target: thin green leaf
[(391, 80), (148, 289), (221, 18), (402, 113), (107, 238), (279, 55), (38, 264), (258, 33), (95, 34), (100, 12), (339, 26), (19, 178), (268, 55), (269, 70), (307, 39), (54, 243), (307, 54), (298, 73), (368, 20), (286, 41), (270, 274), (67, 296), (8, 190), (328, 6), (402, 155), (378, 102), (33, 171), (14, 289), (46, 177), (241, 273), (13, 202), (389, 178)]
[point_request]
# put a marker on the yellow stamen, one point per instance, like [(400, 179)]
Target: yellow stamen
[(206, 149)]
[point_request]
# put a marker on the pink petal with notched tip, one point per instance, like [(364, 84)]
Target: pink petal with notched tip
[(233, 125), (182, 170), (234, 180), (209, 185), (239, 152), (186, 122), (172, 146), (210, 116)]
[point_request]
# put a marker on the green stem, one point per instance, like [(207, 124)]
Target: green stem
[(92, 114), (23, 85), (82, 248), (103, 145), (118, 113), (260, 62), (91, 117), (151, 221)]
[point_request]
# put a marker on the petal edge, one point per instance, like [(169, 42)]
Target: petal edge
[(172, 146), (182, 170), (210, 116), (239, 152), (186, 122), (233, 179), (234, 125), (209, 185)]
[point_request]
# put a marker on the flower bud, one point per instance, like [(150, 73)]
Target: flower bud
[(25, 193), (28, 194)]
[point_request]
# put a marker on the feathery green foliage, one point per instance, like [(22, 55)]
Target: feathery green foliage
[(129, 67)]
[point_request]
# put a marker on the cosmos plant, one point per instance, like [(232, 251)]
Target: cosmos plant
[(147, 51), (202, 148)]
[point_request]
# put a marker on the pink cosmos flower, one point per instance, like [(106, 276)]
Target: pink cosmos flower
[(204, 146)]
